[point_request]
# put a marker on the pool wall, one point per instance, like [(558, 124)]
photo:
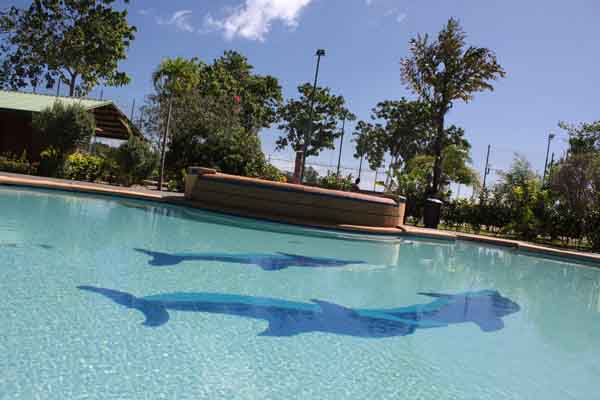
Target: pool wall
[(290, 200)]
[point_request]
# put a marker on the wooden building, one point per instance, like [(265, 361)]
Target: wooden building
[(17, 109)]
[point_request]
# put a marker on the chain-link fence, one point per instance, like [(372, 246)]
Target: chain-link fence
[(368, 177)]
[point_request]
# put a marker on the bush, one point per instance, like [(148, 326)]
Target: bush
[(592, 224), (83, 167), (335, 182), (136, 161), (10, 163), (64, 128), (272, 173), (51, 162)]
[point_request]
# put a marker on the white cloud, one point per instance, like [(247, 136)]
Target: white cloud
[(397, 14), (181, 20), (400, 17), (253, 19), (146, 11)]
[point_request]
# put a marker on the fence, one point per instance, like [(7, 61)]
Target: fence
[(368, 177)]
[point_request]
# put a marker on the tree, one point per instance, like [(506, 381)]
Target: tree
[(218, 110), (520, 190), (64, 127), (173, 77), (415, 179), (401, 132), (79, 43), (584, 137), (136, 160), (443, 71), (329, 111)]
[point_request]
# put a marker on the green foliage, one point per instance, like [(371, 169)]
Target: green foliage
[(136, 161), (64, 127), (272, 173), (295, 116), (443, 71), (17, 165), (569, 209), (79, 43), (583, 138), (592, 226), (311, 176), (335, 182), (51, 162), (83, 167), (401, 131), (217, 111)]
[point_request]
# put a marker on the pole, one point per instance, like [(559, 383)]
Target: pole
[(550, 137), (487, 164), (164, 145), (132, 110), (58, 89), (360, 166), (375, 182), (551, 165), (341, 145), (308, 133)]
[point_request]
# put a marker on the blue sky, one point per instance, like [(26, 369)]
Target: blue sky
[(550, 50)]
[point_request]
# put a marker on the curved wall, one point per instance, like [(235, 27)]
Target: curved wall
[(290, 200)]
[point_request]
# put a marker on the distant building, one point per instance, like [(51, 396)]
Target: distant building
[(17, 109)]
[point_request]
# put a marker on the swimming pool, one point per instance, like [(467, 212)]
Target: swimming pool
[(110, 298)]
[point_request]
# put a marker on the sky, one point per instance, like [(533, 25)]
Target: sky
[(550, 50)]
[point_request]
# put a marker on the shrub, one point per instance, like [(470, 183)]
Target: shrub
[(83, 167), (136, 161), (272, 173), (335, 182), (592, 224), (64, 127), (51, 162), (20, 165)]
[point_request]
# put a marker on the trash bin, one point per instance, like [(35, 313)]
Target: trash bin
[(432, 213)]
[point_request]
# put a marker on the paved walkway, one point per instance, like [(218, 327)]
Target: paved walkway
[(178, 199)]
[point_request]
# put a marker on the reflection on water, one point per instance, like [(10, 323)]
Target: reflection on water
[(560, 299)]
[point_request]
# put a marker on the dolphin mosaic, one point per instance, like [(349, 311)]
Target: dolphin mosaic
[(268, 262), (288, 318)]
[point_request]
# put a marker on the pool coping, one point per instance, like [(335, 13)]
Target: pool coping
[(10, 179)]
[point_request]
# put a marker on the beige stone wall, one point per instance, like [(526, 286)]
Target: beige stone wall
[(296, 201)]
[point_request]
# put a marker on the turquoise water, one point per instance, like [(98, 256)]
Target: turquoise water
[(107, 298)]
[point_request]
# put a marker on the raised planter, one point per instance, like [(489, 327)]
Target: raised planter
[(306, 203)]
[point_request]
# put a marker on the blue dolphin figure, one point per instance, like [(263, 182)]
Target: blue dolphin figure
[(268, 262), (289, 318)]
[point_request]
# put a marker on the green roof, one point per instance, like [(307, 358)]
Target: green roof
[(37, 102)]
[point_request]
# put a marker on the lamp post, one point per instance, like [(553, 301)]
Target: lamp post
[(163, 146), (551, 136), (307, 135), (341, 143)]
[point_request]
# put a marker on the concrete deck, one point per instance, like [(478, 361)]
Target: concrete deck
[(178, 199)]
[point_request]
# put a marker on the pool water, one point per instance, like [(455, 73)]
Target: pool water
[(110, 298)]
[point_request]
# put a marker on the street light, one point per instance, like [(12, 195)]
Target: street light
[(345, 116), (307, 135), (551, 136)]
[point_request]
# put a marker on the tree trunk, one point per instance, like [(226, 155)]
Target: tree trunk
[(437, 166), (72, 84)]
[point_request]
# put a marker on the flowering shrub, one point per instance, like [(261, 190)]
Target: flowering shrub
[(83, 167)]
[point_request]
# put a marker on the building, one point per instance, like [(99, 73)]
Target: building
[(17, 110)]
